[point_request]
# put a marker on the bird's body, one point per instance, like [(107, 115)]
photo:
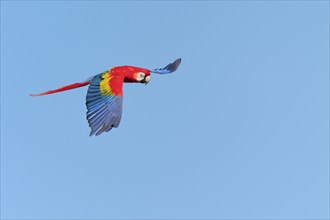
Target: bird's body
[(105, 95)]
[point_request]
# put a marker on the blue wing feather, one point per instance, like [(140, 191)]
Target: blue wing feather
[(103, 111), (170, 68)]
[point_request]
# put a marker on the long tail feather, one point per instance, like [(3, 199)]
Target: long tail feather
[(64, 88)]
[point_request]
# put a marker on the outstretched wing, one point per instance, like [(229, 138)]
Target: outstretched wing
[(170, 68), (104, 101)]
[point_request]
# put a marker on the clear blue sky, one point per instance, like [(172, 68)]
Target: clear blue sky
[(241, 130)]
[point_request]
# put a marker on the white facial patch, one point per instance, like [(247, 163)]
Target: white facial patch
[(139, 76)]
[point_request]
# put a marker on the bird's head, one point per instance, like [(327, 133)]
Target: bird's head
[(139, 75)]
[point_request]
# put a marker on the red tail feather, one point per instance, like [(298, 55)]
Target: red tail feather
[(64, 88)]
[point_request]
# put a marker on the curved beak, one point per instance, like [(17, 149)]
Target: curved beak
[(146, 80)]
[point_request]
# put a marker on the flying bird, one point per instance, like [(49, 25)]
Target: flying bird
[(104, 99)]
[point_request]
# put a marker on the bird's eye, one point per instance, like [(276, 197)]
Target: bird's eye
[(140, 76)]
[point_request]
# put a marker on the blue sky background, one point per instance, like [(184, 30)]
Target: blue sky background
[(241, 130)]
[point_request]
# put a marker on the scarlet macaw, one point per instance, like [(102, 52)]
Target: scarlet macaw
[(105, 96)]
